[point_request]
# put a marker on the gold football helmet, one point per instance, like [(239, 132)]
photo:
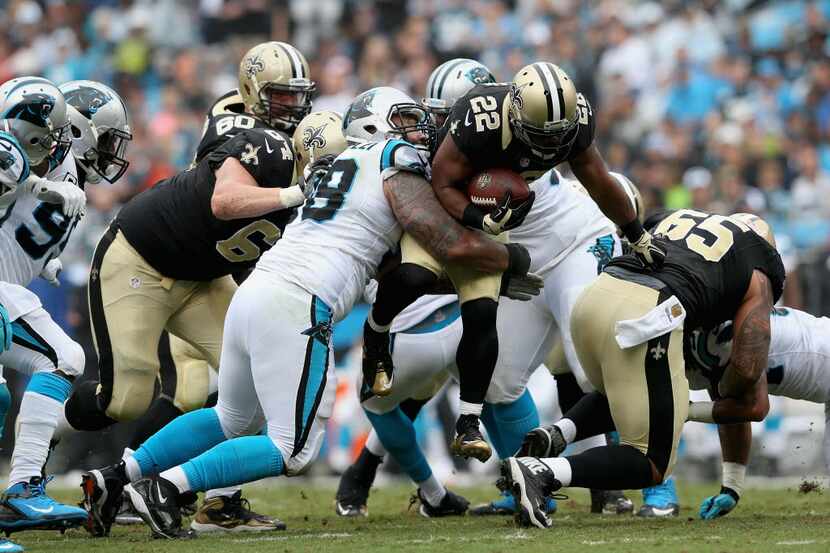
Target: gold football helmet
[(758, 225), (543, 108), (275, 85), (318, 134)]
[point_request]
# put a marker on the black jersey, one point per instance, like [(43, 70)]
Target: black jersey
[(709, 264), (173, 226), (479, 126), (226, 119)]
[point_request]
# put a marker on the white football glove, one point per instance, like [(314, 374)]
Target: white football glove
[(66, 193), (51, 271)]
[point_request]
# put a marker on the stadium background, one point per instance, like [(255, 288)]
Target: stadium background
[(722, 106)]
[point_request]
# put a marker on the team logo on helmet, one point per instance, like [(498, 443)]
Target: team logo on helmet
[(34, 108), (313, 137), (87, 100), (479, 75), (359, 108), (254, 65), (6, 160), (516, 95)]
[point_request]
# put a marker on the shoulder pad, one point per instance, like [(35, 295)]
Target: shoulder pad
[(399, 155), (14, 166)]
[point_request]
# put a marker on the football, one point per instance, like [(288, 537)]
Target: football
[(488, 188)]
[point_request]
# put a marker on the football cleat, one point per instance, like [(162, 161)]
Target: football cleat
[(157, 502), (127, 515), (660, 500), (610, 502), (103, 497), (506, 505), (544, 441), (27, 506), (531, 482), (451, 504), (469, 442), (7, 546), (352, 494), (232, 514), (377, 362)]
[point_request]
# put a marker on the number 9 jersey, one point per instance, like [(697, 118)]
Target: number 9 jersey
[(337, 243)]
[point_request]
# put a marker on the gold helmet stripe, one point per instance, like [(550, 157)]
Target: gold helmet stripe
[(546, 86)]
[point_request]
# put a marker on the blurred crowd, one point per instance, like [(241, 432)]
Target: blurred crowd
[(716, 105)]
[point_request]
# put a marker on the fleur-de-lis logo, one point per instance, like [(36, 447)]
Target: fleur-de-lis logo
[(313, 137), (253, 65), (250, 155), (516, 95)]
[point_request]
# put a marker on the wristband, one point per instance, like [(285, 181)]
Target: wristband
[(473, 217), (733, 478), (701, 411), (633, 230)]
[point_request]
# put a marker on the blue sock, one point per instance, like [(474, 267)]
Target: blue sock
[(397, 434), (5, 403), (493, 432), (234, 462), (514, 420), (183, 438)]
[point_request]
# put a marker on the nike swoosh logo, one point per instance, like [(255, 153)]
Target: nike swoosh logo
[(49, 510), (162, 499), (268, 147), (467, 121)]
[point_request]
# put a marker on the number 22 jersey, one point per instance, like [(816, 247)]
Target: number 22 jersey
[(337, 243)]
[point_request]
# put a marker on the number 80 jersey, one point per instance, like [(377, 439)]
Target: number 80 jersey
[(337, 243)]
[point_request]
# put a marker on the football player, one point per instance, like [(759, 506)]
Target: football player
[(40, 204), (569, 241), (306, 282), (628, 331), (529, 126)]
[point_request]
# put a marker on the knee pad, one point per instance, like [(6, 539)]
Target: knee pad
[(83, 410)]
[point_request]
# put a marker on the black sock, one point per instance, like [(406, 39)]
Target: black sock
[(366, 465), (591, 415), (399, 288), (161, 412), (568, 391), (478, 350), (611, 467)]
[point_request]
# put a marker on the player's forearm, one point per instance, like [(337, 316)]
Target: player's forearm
[(452, 199), (750, 348), (251, 201), (735, 442)]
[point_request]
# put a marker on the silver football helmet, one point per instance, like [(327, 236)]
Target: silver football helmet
[(385, 112), (100, 129), (450, 81), (33, 110)]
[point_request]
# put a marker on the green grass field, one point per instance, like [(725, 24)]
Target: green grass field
[(766, 521)]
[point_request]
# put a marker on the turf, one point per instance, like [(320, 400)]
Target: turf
[(765, 521)]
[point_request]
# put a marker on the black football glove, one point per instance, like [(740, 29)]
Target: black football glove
[(314, 173), (506, 216)]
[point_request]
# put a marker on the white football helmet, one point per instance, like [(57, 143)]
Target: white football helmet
[(33, 110), (450, 81), (369, 117), (100, 129)]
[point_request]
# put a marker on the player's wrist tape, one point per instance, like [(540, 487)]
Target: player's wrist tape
[(633, 230), (473, 217), (733, 478), (518, 259), (701, 411), (292, 196)]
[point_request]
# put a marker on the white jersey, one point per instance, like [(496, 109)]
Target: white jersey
[(799, 355), (335, 245), (562, 218), (31, 232)]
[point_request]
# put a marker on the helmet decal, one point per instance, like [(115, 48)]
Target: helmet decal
[(479, 75), (253, 65), (313, 137), (87, 100), (359, 109), (34, 108)]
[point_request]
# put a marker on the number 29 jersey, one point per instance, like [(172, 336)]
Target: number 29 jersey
[(337, 243)]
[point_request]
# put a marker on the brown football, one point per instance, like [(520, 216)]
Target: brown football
[(488, 188)]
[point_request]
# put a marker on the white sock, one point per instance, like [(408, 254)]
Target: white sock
[(36, 424), (374, 446), (568, 429), (221, 492), (375, 326), (133, 469), (561, 468), (588, 443), (432, 490), (465, 408), (177, 477)]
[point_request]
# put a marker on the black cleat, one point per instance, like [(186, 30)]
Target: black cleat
[(103, 496), (352, 494), (544, 441), (469, 442), (157, 502), (452, 504), (610, 502), (531, 482), (377, 363)]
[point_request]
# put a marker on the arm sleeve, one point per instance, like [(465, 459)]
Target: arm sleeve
[(14, 167), (266, 155)]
